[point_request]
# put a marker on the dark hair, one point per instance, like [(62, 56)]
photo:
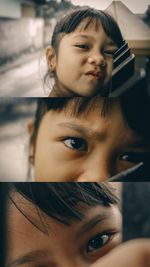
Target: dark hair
[(59, 200), (71, 21)]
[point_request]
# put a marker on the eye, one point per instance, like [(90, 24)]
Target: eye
[(98, 241), (82, 46), (134, 157), (76, 143), (109, 53)]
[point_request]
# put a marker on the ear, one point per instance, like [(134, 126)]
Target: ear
[(30, 128), (51, 58)]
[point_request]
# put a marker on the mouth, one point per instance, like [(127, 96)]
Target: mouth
[(95, 75)]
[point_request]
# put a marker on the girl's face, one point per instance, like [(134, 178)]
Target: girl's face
[(87, 147), (83, 62), (77, 245)]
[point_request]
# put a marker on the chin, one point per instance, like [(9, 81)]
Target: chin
[(89, 93)]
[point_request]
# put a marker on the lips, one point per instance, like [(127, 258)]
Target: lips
[(94, 74)]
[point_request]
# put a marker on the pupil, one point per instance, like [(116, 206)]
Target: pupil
[(98, 241), (133, 157), (77, 143)]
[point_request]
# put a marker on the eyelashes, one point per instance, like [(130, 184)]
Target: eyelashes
[(109, 53), (106, 52), (135, 157), (81, 145), (82, 46), (76, 143), (98, 241)]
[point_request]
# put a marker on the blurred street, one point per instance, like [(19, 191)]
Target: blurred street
[(22, 80), (14, 138)]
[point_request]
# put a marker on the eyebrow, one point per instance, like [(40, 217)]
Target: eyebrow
[(94, 221), (86, 131), (28, 258)]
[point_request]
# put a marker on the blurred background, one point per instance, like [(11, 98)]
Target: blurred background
[(15, 115), (26, 27)]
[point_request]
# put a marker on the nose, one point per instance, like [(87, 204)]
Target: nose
[(97, 172), (97, 58)]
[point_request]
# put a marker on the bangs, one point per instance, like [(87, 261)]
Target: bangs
[(90, 22), (59, 201), (87, 17), (82, 107), (77, 106)]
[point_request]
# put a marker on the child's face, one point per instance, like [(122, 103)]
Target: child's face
[(83, 63), (87, 147), (77, 245)]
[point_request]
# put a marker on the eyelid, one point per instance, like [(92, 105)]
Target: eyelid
[(109, 52), (79, 45), (110, 233), (78, 150)]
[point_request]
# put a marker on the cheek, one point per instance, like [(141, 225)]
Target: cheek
[(68, 64), (66, 71), (52, 163), (46, 163), (109, 67)]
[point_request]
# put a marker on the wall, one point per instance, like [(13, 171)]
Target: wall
[(19, 36), (10, 9)]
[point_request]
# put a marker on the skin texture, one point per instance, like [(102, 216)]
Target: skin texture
[(79, 53), (61, 246), (134, 253), (87, 147)]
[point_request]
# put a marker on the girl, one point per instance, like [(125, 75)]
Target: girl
[(87, 139), (81, 53), (61, 224), (54, 214)]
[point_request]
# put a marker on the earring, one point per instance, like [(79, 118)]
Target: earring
[(31, 159), (51, 67)]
